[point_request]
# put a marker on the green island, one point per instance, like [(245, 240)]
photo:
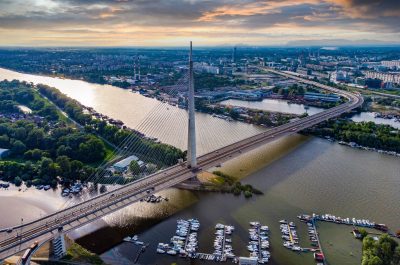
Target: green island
[(227, 183), (42, 146)]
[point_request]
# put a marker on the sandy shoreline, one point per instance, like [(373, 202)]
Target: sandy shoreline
[(28, 204)]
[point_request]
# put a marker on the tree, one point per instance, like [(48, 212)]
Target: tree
[(396, 256), (373, 261), (234, 114), (17, 181), (92, 150), (35, 138), (103, 189), (18, 147), (76, 169), (134, 167), (385, 251), (363, 233), (48, 168), (151, 168), (4, 141), (65, 165)]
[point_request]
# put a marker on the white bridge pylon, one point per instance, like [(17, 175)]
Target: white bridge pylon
[(191, 151)]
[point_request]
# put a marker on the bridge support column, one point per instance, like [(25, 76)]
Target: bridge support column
[(59, 248), (191, 153)]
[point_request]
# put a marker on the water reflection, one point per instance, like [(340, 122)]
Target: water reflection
[(370, 116), (277, 105)]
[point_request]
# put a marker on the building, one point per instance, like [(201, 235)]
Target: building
[(303, 71), (373, 82), (360, 81), (339, 76), (234, 51), (248, 261), (385, 77), (123, 165), (4, 152), (206, 68), (391, 64), (246, 95), (321, 97), (315, 67)]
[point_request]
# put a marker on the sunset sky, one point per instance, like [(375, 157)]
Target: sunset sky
[(208, 23)]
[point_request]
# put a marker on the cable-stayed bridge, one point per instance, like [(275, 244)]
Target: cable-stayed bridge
[(18, 238)]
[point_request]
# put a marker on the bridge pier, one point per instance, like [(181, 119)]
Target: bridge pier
[(191, 151), (59, 248)]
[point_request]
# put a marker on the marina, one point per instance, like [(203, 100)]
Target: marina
[(346, 220), (184, 242), (259, 242), (222, 243), (289, 235)]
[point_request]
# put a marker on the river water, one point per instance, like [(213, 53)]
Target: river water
[(277, 105), (297, 174), (292, 108)]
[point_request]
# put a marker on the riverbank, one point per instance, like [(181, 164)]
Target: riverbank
[(364, 135)]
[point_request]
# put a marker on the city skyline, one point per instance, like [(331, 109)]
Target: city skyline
[(207, 23)]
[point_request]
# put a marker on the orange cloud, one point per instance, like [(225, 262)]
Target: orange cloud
[(252, 8)]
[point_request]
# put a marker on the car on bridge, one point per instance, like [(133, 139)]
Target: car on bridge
[(150, 190)]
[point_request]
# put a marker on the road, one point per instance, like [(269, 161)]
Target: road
[(376, 93), (44, 229)]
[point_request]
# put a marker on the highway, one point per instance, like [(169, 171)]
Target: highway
[(16, 239)]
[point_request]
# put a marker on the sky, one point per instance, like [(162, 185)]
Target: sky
[(205, 22)]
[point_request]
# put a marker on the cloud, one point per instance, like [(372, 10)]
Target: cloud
[(171, 21), (370, 9)]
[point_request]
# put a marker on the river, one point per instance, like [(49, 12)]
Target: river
[(297, 174), (280, 105)]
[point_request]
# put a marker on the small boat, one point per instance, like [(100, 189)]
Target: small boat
[(161, 251), (171, 252)]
